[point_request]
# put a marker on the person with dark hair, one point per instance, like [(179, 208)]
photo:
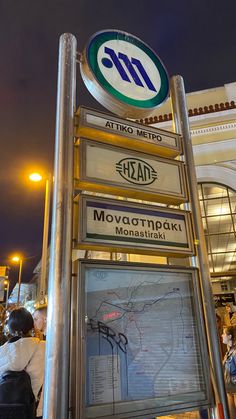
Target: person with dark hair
[(24, 352), (229, 366)]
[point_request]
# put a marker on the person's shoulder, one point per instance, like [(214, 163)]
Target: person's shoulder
[(4, 347), (42, 343), (28, 345), (29, 342), (39, 344), (34, 346)]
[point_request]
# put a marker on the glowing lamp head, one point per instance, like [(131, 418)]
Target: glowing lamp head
[(16, 259), (35, 177)]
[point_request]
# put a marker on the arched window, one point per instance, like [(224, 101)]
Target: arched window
[(218, 208)]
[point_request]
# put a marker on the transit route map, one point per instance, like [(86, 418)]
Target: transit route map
[(142, 340)]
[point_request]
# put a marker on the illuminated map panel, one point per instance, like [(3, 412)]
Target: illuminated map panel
[(144, 343)]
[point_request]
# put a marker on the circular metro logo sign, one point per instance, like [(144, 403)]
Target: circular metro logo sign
[(124, 74)]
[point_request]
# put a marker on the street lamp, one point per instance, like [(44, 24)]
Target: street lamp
[(19, 260), (37, 177), (6, 288)]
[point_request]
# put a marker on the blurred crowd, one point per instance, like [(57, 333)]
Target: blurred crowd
[(39, 316), (22, 359)]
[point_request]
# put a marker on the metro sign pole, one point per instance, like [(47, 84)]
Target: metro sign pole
[(180, 118), (56, 386), (129, 79)]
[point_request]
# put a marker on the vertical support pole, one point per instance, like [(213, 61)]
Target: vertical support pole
[(19, 281), (180, 116), (7, 296), (56, 385), (73, 341), (43, 277)]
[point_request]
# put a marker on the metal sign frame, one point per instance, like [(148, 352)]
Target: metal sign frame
[(141, 242), (159, 187), (58, 350), (146, 408), (129, 134)]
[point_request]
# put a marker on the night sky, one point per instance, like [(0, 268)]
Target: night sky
[(193, 38)]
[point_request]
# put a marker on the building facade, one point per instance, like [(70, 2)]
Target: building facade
[(212, 117)]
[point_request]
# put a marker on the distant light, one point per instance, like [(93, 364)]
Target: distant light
[(35, 177)]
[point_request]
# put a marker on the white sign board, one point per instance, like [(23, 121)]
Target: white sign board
[(108, 128), (121, 226), (116, 171)]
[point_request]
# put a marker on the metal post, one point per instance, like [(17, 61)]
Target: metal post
[(56, 386), (19, 281), (180, 116), (7, 296), (73, 340), (43, 277)]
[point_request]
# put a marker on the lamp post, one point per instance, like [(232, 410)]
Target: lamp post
[(6, 287), (20, 260), (37, 177)]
